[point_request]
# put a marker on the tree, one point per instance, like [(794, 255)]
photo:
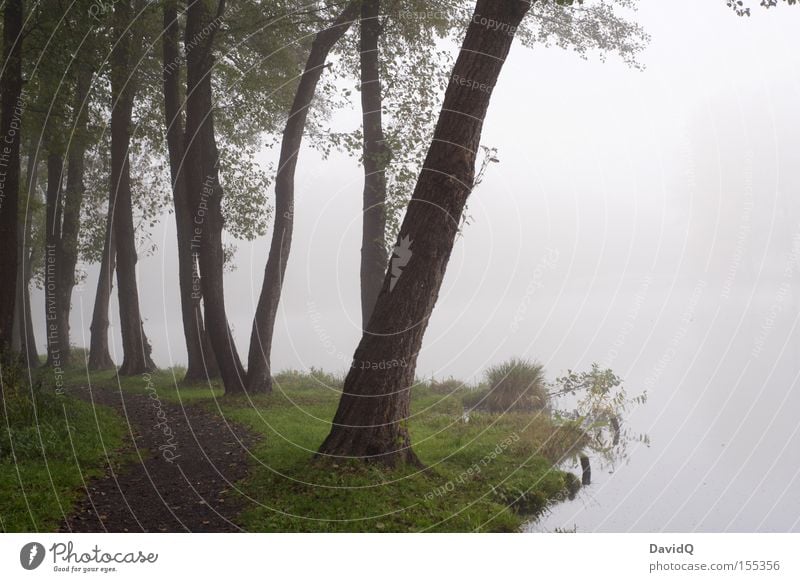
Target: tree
[(741, 9), (400, 72), (63, 225), (99, 354), (376, 158), (10, 125), (201, 362), (28, 256), (371, 420), (259, 371), (136, 347), (205, 190)]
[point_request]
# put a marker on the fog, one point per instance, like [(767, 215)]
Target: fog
[(646, 220)]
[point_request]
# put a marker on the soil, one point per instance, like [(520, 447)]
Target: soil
[(184, 463)]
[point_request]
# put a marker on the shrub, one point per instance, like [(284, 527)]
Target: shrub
[(515, 385)]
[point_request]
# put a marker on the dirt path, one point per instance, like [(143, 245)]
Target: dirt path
[(185, 462)]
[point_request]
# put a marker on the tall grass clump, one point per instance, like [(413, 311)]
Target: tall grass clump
[(515, 385)]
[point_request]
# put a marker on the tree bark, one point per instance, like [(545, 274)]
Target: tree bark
[(53, 219), (28, 339), (99, 355), (24, 320), (376, 158), (259, 370), (372, 417), (10, 130), (17, 325), (201, 363), (205, 192), (135, 346)]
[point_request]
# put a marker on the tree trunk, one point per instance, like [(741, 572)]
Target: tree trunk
[(371, 422), (25, 332), (259, 372), (376, 158), (53, 219), (201, 363), (205, 192), (135, 346), (10, 129), (62, 232), (18, 327), (29, 350), (99, 355)]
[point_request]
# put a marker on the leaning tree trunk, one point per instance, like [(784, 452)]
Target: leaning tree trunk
[(205, 192), (10, 129), (371, 422), (201, 363), (53, 219), (259, 373), (135, 346), (376, 158), (99, 354)]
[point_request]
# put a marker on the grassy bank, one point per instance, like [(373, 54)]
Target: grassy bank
[(50, 444), (489, 472)]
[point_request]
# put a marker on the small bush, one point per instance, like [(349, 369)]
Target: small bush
[(515, 385)]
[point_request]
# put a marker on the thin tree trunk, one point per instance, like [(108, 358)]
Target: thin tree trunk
[(371, 422), (18, 328), (376, 157), (135, 346), (259, 370), (53, 219), (10, 129), (29, 349), (27, 339), (201, 361), (99, 354), (205, 192)]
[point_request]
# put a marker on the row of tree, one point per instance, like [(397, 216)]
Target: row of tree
[(121, 132)]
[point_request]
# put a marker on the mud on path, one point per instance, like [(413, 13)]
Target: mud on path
[(183, 465)]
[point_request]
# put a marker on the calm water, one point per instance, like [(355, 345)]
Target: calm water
[(722, 418)]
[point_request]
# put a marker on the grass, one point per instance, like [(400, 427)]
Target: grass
[(514, 385), (487, 472), (50, 444)]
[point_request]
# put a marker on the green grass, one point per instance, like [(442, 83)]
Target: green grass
[(50, 444), (491, 473)]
